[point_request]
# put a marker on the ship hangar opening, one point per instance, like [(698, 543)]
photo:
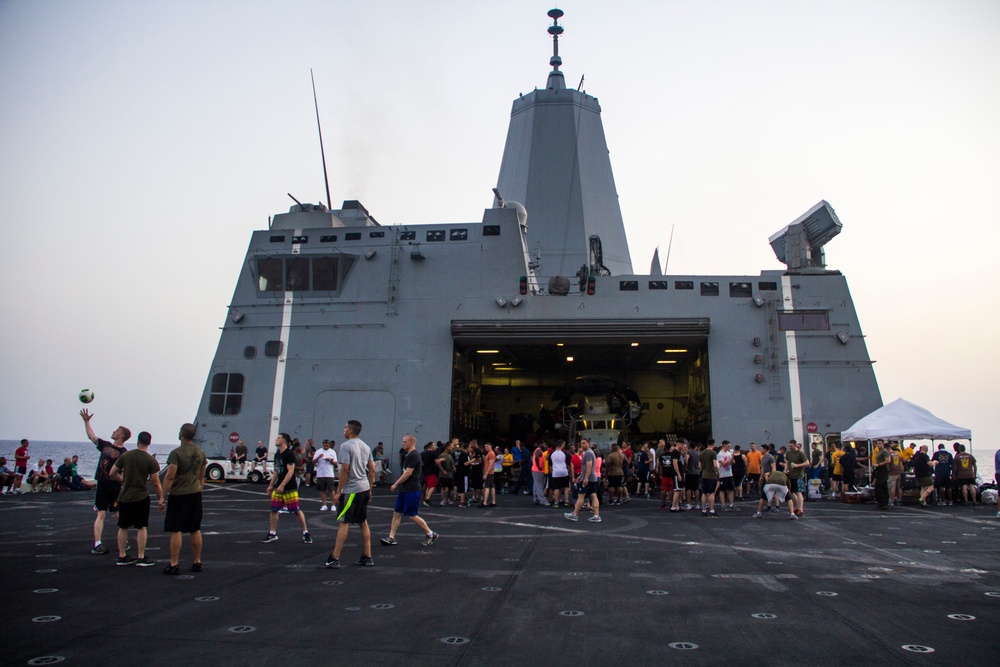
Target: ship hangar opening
[(512, 378)]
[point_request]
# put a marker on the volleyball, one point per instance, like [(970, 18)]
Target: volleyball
[(86, 396)]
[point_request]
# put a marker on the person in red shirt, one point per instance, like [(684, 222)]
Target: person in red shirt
[(21, 458)]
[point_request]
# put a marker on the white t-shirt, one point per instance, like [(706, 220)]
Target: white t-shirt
[(558, 459), (326, 461), (725, 460)]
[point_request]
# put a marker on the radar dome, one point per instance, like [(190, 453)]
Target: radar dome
[(522, 213)]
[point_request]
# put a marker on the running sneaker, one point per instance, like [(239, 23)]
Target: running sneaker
[(271, 537), (570, 516), (145, 562), (595, 519), (125, 560), (100, 550), (332, 563), (704, 512), (686, 506), (627, 500), (756, 515), (366, 561), (307, 538), (793, 517), (431, 539), (322, 508), (389, 541), (425, 503), (171, 569), (196, 567), (711, 513)]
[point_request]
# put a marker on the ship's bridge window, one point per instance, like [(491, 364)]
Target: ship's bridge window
[(803, 320), (407, 236), (302, 273), (226, 397), (710, 289), (740, 289), (458, 235), (277, 239), (376, 235), (659, 284), (491, 230), (352, 236), (683, 284), (435, 235), (767, 286), (270, 274), (329, 238), (628, 285)]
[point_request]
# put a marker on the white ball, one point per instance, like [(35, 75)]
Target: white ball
[(86, 396)]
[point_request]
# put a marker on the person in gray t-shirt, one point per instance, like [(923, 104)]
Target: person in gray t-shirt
[(357, 474)]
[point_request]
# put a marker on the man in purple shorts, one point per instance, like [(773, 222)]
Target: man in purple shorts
[(409, 493), (284, 490)]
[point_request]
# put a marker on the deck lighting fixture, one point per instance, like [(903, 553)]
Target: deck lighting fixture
[(569, 358), (635, 345), (667, 361), (487, 351), (675, 351)]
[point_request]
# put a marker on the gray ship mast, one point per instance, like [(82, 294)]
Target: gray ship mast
[(556, 163)]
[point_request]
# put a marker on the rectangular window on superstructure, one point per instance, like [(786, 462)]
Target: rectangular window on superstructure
[(491, 230), (324, 273), (376, 235), (767, 286), (226, 397), (659, 284), (740, 289), (803, 320), (683, 284), (352, 236), (329, 238), (408, 236), (270, 274), (458, 234), (628, 285), (710, 289), (296, 274), (435, 235)]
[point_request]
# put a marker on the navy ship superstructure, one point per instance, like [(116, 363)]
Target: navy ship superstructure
[(472, 329)]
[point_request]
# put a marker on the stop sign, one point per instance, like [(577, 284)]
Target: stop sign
[(235, 437), (811, 427)]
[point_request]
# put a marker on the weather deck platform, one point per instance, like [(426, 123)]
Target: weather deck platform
[(515, 585)]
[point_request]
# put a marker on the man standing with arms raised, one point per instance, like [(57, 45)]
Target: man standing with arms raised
[(183, 484), (357, 474), (133, 470), (107, 488)]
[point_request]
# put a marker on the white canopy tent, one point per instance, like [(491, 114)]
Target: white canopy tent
[(902, 419)]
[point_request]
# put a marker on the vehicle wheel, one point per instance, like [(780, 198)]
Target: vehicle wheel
[(215, 473), (255, 477)]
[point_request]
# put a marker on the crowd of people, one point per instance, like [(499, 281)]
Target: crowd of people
[(42, 476), (576, 476)]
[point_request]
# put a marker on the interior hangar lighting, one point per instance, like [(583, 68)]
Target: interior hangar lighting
[(487, 351), (675, 351)]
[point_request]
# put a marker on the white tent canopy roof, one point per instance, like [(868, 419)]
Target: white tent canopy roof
[(902, 419)]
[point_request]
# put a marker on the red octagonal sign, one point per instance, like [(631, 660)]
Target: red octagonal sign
[(810, 428), (235, 437)]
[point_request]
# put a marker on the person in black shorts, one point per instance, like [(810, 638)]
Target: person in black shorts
[(133, 470), (183, 484), (107, 488)]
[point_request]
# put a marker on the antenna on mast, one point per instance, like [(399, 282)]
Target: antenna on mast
[(326, 180), (669, 245)]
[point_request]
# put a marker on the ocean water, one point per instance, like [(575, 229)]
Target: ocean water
[(58, 450)]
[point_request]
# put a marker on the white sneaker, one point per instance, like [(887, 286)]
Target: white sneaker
[(322, 508), (594, 519)]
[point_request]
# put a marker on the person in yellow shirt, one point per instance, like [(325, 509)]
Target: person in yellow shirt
[(907, 454), (837, 470)]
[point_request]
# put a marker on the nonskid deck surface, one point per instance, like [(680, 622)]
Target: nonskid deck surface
[(517, 584)]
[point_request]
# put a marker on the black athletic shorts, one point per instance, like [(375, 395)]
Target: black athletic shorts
[(726, 484), (354, 507), (691, 482), (615, 481), (446, 483), (475, 482), (559, 483), (183, 513), (107, 496), (134, 514)]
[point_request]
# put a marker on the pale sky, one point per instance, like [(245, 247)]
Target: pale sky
[(142, 142)]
